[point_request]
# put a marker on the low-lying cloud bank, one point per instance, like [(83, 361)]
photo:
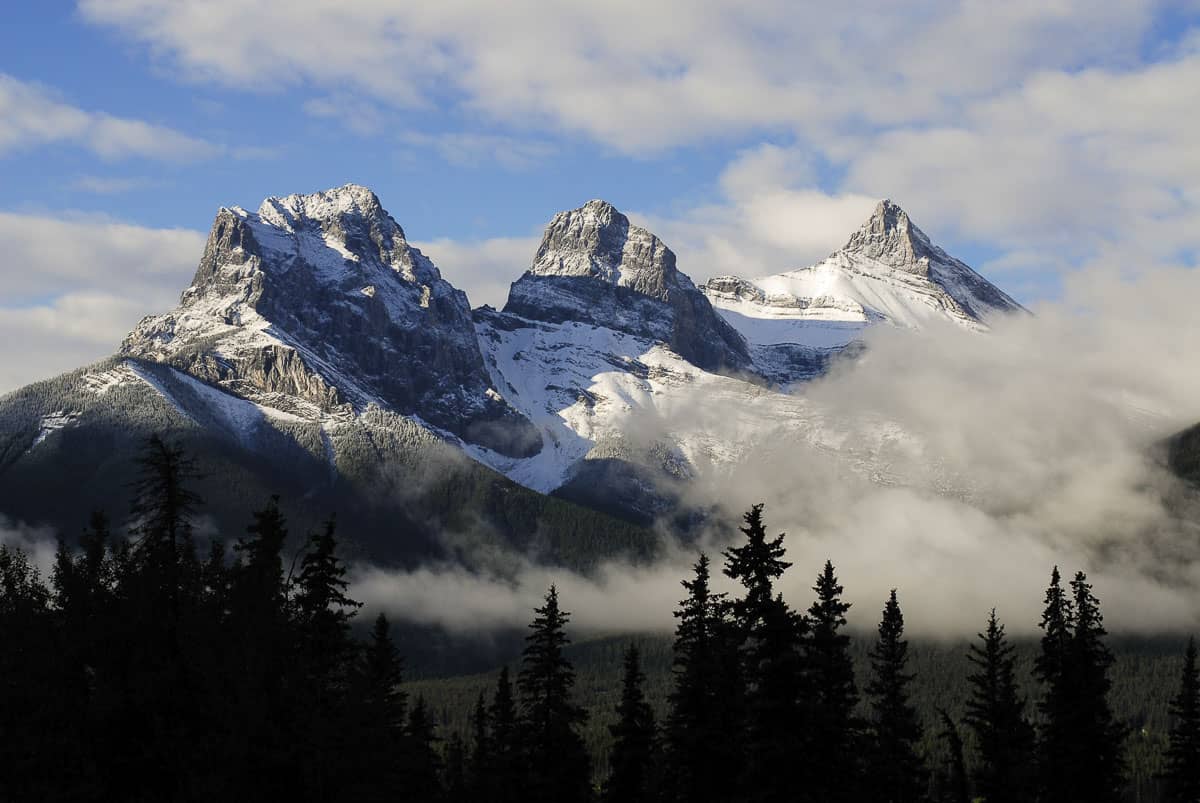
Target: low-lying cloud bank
[(965, 467)]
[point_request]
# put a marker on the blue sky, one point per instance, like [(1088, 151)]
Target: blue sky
[(1035, 140)]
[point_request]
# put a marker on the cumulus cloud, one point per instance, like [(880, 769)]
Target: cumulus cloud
[(73, 288), (31, 115), (632, 75)]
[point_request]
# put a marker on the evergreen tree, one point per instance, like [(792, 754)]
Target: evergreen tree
[(1098, 736), (422, 768), (895, 772), (834, 749), (1182, 776), (506, 771), (558, 762), (322, 607), (379, 710), (323, 613), (996, 715), (1080, 742), (704, 726), (776, 717), (260, 636), (479, 771), (632, 758), (1051, 668)]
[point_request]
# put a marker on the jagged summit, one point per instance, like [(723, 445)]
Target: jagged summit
[(320, 300), (597, 241), (595, 267), (890, 237), (889, 271)]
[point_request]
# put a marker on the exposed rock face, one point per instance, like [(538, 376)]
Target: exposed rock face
[(891, 238), (321, 297), (595, 267)]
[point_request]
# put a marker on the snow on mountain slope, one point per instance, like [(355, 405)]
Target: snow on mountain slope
[(594, 266), (888, 272), (317, 303)]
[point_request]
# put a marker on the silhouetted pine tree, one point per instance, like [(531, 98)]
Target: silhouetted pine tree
[(1080, 744), (1055, 737), (704, 727), (507, 769), (326, 655), (260, 644), (895, 773), (1098, 736), (1182, 775), (379, 708), (31, 765), (952, 783), (479, 770), (160, 656), (996, 714), (422, 767), (834, 749), (632, 759), (558, 762), (776, 717)]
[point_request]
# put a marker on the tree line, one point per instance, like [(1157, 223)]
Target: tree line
[(146, 671)]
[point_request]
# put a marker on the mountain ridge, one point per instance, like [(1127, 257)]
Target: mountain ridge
[(314, 333)]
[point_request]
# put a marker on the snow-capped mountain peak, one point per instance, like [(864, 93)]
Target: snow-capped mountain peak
[(890, 237), (595, 267), (597, 241), (888, 272), (321, 299)]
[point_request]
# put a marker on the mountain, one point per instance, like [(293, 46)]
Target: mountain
[(318, 355), (595, 267), (888, 272), (317, 304)]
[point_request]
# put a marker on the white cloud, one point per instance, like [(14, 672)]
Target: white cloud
[(30, 115), (638, 76), (72, 289)]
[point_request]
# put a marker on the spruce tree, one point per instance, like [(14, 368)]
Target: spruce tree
[(1080, 741), (1182, 775), (996, 714), (1098, 736), (704, 727), (479, 770), (776, 717), (1051, 668), (895, 773), (378, 718), (422, 769), (506, 771), (834, 750), (632, 758), (326, 658), (557, 760)]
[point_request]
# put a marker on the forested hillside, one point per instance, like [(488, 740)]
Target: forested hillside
[(156, 663)]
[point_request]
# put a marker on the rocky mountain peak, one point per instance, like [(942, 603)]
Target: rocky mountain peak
[(599, 242), (320, 297), (890, 236), (348, 201)]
